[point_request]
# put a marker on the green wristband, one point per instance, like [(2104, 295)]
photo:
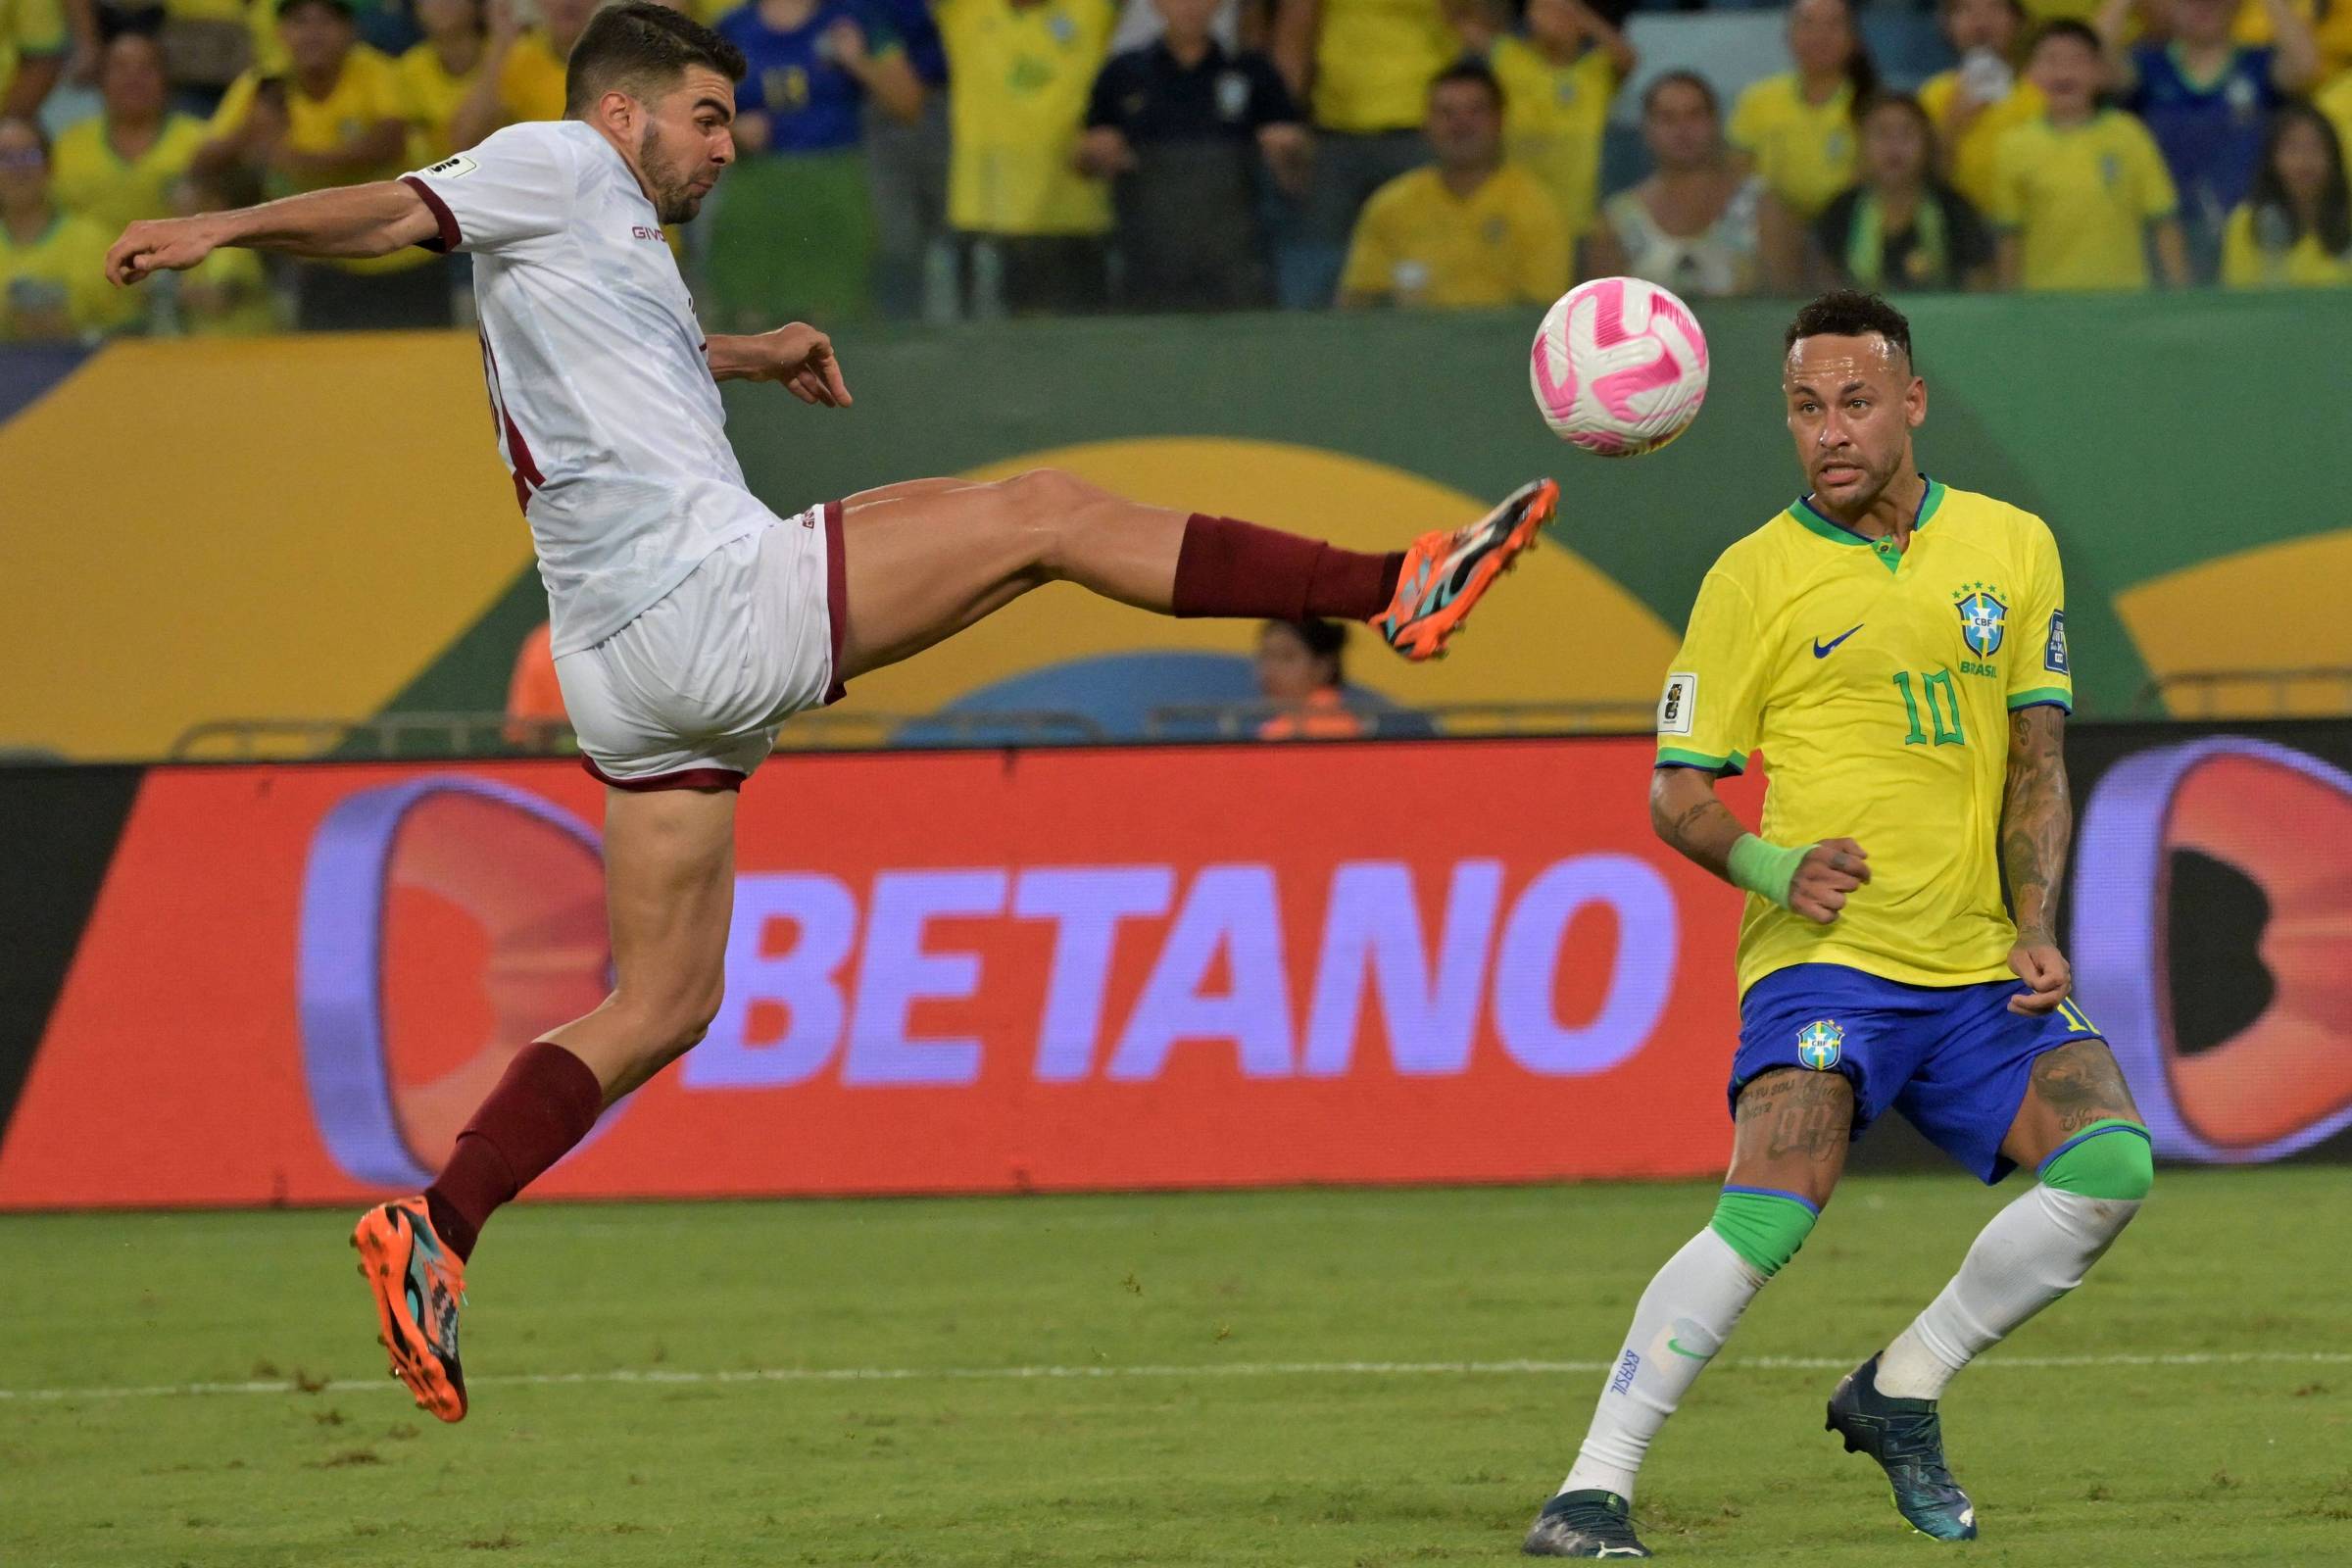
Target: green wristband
[(1765, 869)]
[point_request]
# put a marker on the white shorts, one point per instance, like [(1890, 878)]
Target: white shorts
[(688, 693)]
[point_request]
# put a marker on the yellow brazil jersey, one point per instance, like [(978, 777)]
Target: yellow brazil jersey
[(531, 82), (97, 182), (1417, 243), (55, 284), (430, 94), (1804, 151), (1552, 121), (2081, 198), (365, 92), (1972, 156), (2247, 262), (1374, 60), (28, 28), (1877, 686), (2335, 100), (1023, 74)]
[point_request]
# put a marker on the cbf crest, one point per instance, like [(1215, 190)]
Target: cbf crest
[(1820, 1044), (1982, 619)]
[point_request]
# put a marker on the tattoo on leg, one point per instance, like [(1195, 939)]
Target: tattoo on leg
[(1808, 1113), (2083, 1085)]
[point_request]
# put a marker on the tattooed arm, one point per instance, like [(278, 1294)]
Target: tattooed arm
[(2037, 819), (1686, 813)]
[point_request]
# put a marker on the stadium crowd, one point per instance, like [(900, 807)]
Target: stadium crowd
[(937, 158)]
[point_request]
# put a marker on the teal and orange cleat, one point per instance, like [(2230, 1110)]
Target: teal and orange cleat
[(1906, 1438), (419, 1285), (1446, 572)]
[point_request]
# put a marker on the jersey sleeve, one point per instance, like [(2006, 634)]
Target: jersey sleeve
[(2039, 671), (1711, 710), (1543, 260), (1371, 266), (517, 185), (2005, 206), (1747, 131)]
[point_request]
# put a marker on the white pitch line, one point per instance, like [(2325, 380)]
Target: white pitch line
[(665, 1377)]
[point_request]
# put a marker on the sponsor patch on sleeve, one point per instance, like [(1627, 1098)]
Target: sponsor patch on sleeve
[(1675, 707), (455, 168), (2054, 659)]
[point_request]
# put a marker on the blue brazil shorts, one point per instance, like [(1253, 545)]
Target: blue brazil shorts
[(1953, 1060)]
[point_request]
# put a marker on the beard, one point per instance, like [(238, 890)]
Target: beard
[(675, 197)]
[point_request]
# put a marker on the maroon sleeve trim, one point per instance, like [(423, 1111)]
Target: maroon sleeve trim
[(449, 238)]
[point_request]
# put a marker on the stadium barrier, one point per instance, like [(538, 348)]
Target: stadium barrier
[(1070, 969)]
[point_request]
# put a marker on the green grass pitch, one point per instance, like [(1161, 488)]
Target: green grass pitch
[(1223, 1392)]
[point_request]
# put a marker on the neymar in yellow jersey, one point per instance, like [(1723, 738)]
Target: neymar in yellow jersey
[(1896, 650)]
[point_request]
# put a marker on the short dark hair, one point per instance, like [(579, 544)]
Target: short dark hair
[(1681, 78), (2068, 27), (1850, 313), (641, 49), (1324, 639), (1470, 71)]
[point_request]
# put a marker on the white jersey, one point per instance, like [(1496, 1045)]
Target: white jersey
[(605, 406)]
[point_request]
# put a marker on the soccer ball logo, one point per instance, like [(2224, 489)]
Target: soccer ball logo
[(1618, 366), (1820, 1044)]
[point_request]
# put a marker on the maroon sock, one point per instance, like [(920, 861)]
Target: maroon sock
[(1230, 567), (547, 1102)]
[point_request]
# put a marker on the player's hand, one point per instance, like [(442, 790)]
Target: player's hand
[(160, 245), (802, 360), (2050, 979), (1830, 870)]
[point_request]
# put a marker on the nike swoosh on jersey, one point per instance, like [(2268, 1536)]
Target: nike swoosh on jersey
[(1822, 650)]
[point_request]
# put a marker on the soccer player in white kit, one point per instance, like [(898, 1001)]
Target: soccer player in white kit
[(688, 618)]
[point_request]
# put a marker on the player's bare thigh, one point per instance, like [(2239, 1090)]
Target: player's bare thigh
[(922, 561), (2072, 1087), (669, 893), (1790, 1132)]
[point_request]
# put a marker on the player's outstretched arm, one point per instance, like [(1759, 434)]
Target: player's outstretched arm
[(1811, 879), (2038, 823), (798, 355), (372, 219)]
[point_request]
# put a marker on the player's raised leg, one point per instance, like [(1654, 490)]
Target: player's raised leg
[(1788, 1149), (922, 561), (669, 876), (2078, 1130)]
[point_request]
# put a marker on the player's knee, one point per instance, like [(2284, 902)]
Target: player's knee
[(2111, 1161), (1764, 1227)]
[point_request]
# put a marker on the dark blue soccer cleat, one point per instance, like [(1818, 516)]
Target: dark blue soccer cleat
[(1585, 1524), (1906, 1438)]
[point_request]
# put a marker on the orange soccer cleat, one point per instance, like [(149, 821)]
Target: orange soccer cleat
[(419, 1285), (1446, 572)]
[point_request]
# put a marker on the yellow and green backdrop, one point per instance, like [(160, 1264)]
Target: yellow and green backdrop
[(320, 527)]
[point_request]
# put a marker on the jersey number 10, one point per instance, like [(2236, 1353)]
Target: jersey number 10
[(1942, 699)]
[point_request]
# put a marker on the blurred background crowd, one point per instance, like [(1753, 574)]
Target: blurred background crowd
[(942, 159)]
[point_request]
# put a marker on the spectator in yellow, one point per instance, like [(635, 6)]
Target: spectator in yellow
[(2335, 100), (2296, 229), (1468, 230), (522, 70), (1797, 128), (1557, 79), (2078, 193), (48, 256), (1365, 68), (119, 165), (1973, 105), (442, 77), (1022, 71), (33, 42), (335, 118)]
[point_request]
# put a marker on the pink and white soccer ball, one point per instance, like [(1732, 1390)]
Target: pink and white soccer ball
[(1619, 368)]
